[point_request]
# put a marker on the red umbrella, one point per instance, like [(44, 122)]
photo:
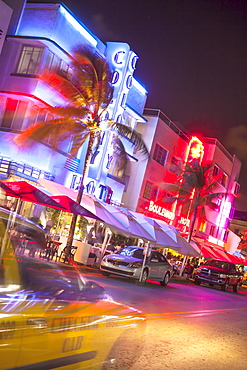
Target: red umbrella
[(29, 193), (73, 207)]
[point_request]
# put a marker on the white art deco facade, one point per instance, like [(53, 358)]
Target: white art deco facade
[(44, 35)]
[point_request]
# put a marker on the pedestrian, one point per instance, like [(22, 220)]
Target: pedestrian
[(91, 236), (121, 247), (188, 270), (111, 247)]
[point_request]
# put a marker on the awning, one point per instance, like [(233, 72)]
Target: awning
[(71, 206), (219, 253), (186, 248), (29, 193), (207, 252)]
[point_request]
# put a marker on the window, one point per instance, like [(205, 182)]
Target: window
[(116, 165), (162, 258), (14, 114), (212, 230), (220, 264), (160, 154), (202, 226), (215, 170), (225, 236), (30, 60), (237, 189), (154, 257), (221, 176), (54, 62), (150, 191), (38, 114), (176, 164)]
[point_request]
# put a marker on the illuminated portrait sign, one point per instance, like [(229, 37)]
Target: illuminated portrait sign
[(195, 150)]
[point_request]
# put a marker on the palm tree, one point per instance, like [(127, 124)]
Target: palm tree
[(89, 92), (195, 188)]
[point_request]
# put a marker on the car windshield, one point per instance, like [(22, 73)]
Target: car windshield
[(220, 264), (132, 252)]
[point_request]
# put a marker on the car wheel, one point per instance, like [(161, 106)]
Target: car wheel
[(144, 276), (225, 286), (197, 282), (104, 273), (166, 279), (236, 287)]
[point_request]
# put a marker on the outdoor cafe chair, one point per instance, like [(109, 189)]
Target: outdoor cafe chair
[(67, 254)]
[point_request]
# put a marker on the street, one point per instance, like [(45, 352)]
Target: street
[(188, 326)]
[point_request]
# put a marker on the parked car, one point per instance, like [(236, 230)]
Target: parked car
[(219, 273), (53, 317), (129, 263)]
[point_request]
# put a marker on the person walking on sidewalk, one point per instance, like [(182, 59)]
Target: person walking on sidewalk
[(188, 270)]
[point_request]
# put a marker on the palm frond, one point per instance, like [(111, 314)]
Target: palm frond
[(120, 153), (56, 131), (133, 136), (63, 84), (69, 111), (78, 140)]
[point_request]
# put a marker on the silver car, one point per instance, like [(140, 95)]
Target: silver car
[(129, 263)]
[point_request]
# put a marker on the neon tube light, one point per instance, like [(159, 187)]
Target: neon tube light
[(78, 26), (139, 87)]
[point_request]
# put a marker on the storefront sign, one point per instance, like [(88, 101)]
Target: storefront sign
[(184, 221), (155, 208)]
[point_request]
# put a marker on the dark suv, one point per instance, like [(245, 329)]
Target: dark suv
[(221, 273)]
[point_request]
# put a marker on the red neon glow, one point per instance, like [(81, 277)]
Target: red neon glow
[(195, 150)]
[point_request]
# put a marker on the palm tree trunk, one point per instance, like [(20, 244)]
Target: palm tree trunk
[(192, 224), (81, 188)]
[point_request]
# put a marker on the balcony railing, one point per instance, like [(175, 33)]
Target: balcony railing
[(9, 167)]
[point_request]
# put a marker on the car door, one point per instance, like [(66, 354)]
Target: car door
[(11, 330), (163, 265), (54, 336), (154, 266)]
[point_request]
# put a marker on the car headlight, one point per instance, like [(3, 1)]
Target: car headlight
[(223, 276), (136, 265)]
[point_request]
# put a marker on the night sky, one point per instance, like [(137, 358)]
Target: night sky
[(192, 60)]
